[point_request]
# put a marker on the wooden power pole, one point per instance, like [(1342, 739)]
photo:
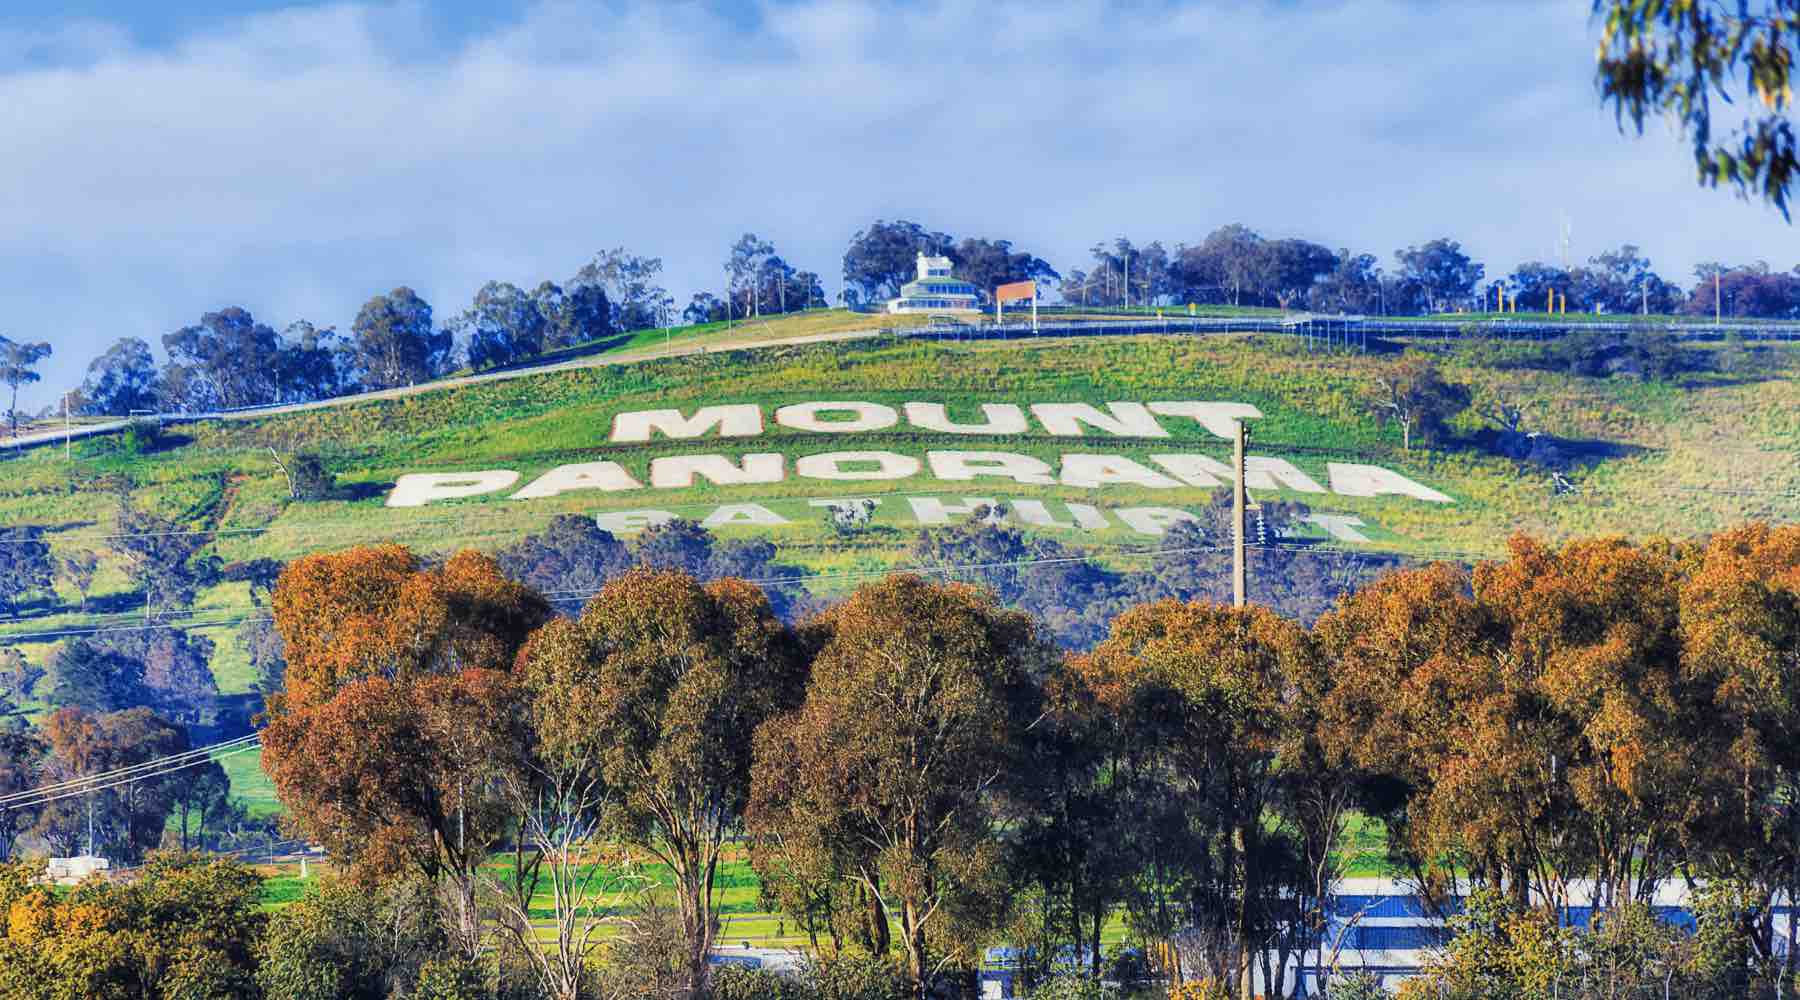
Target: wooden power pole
[(1238, 505)]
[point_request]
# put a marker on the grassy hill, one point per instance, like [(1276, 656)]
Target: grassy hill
[(1648, 458)]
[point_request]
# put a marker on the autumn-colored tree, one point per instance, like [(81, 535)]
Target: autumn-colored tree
[(659, 687), (1587, 662), (1204, 700), (1538, 714), (893, 766), (186, 927), (375, 611), (125, 820), (1740, 635), (400, 720)]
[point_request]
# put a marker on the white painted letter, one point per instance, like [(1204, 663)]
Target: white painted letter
[(1152, 520), (416, 489), (805, 417), (1002, 418), (608, 476), (1339, 526), (1127, 420), (931, 510), (1033, 512), (1111, 470), (622, 521), (742, 513), (831, 464), (1219, 418), (1277, 474), (1196, 470), (675, 472), (1260, 472), (737, 420), (959, 465), (1351, 480)]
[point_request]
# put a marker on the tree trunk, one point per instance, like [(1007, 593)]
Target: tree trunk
[(915, 948), (696, 919)]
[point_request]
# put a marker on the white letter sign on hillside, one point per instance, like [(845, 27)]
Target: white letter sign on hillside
[(1352, 480), (609, 476), (1073, 470), (857, 465), (960, 465), (677, 472), (865, 417), (1220, 419), (738, 420), (1126, 420), (416, 489), (1001, 418)]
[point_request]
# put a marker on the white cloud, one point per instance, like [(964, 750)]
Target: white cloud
[(300, 161)]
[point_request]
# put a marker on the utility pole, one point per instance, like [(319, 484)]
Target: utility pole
[(1718, 311), (68, 432), (1238, 504)]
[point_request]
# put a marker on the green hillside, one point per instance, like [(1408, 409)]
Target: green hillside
[(1646, 457)]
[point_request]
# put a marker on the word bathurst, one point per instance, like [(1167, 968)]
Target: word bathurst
[(1084, 470)]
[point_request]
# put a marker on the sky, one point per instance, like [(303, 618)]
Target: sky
[(158, 161)]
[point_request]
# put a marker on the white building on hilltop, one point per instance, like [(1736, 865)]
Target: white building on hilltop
[(935, 291)]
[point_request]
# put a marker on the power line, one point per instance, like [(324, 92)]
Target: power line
[(142, 765), (126, 781), (123, 776)]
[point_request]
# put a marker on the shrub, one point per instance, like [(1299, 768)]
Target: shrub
[(735, 982), (450, 978), (1072, 987), (312, 481), (852, 977), (1356, 986), (140, 438)]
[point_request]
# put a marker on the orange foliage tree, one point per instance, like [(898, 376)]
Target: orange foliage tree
[(399, 717)]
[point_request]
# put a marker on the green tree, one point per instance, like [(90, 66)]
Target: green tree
[(1671, 59), (394, 342), (1439, 273), (895, 764), (78, 569), (1203, 702), (25, 564), (884, 256), (122, 379), (1414, 394), (502, 326), (18, 362), (340, 941), (162, 557), (664, 682)]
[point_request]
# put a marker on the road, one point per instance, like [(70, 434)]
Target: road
[(1323, 328), (58, 436)]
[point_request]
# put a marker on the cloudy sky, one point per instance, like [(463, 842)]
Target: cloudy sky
[(297, 158)]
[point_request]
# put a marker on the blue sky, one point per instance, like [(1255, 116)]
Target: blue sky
[(164, 160)]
